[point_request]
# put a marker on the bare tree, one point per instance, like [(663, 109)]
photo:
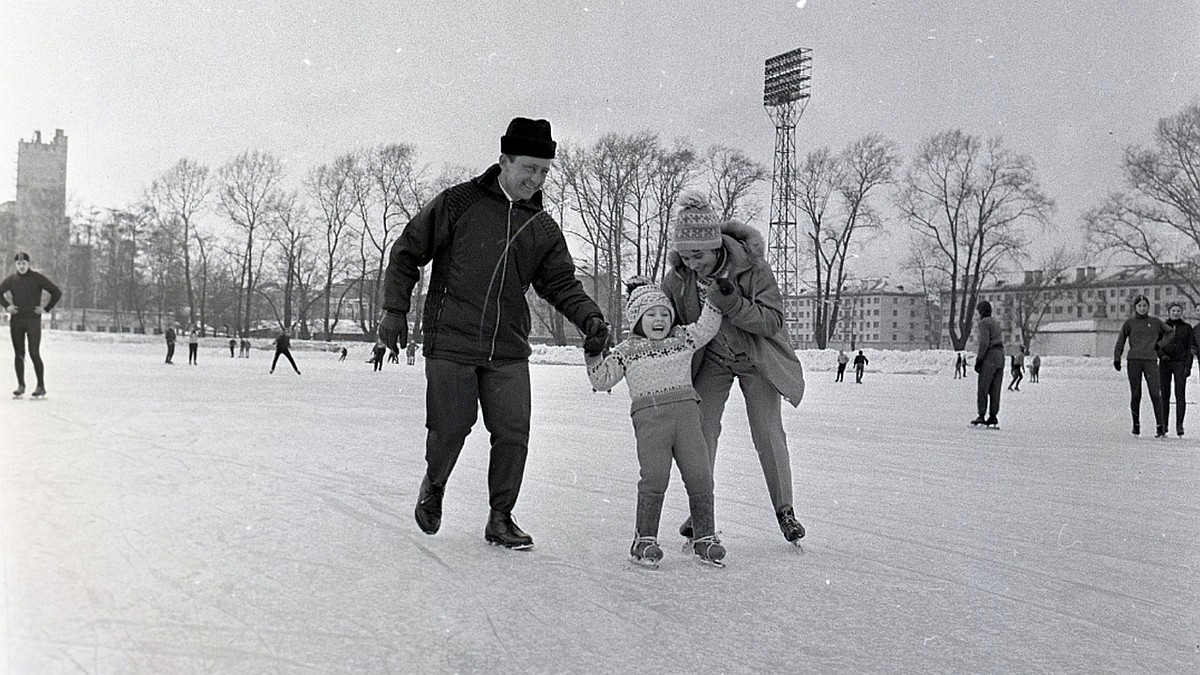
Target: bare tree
[(732, 177), (1038, 291), (329, 186), (1156, 219), (833, 193), (921, 264), (659, 176), (387, 190), (597, 181), (292, 233), (968, 200), (248, 194), (174, 200)]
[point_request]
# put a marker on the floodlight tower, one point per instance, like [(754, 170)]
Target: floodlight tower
[(785, 93)]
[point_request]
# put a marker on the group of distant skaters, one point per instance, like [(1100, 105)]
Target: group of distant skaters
[(1160, 354)]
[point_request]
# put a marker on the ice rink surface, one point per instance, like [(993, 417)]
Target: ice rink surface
[(216, 519)]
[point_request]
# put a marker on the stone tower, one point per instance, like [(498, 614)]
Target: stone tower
[(42, 228)]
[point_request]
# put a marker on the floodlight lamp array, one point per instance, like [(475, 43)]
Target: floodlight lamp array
[(787, 77)]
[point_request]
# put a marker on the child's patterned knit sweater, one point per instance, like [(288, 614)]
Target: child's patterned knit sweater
[(657, 371)]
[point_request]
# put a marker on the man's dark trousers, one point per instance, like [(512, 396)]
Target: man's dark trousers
[(454, 394)]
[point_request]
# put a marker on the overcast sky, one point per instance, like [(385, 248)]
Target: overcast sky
[(138, 85)]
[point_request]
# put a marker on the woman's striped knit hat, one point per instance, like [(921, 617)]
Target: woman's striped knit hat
[(696, 224)]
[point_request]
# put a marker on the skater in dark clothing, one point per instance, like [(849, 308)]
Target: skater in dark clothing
[(245, 347), (860, 363), (476, 322), (1017, 365), (282, 348), (377, 353), (344, 353), (842, 360), (1147, 336), (655, 361), (960, 366), (1175, 365), (989, 364), (170, 335), (411, 352), (21, 295), (193, 345), (232, 346), (1035, 367)]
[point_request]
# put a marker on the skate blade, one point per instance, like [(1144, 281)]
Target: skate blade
[(798, 546), (644, 563), (711, 563), (518, 547)]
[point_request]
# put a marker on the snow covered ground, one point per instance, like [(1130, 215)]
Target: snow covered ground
[(217, 519)]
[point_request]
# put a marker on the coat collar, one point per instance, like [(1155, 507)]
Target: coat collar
[(490, 182)]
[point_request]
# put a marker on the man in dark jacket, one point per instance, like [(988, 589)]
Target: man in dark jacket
[(1175, 363), (488, 240), (751, 346), (170, 336), (21, 296), (989, 364), (860, 364)]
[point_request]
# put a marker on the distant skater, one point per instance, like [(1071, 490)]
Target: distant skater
[(842, 360), (344, 353), (1146, 336), (282, 344), (232, 346), (1175, 364), (989, 364), (1018, 369), (411, 352), (860, 364), (960, 366), (21, 295), (377, 353), (193, 345), (170, 336), (244, 345), (1035, 367)]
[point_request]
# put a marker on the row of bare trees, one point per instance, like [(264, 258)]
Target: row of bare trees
[(233, 245)]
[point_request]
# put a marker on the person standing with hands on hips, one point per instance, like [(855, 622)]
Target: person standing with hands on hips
[(21, 296), (989, 365), (488, 240)]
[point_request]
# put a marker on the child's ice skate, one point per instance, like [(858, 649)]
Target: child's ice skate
[(709, 550), (646, 552)]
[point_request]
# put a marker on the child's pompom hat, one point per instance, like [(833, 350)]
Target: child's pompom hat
[(644, 294)]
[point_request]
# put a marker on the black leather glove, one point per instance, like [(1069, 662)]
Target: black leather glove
[(595, 336), (393, 329), (726, 287), (1117, 364), (978, 366)]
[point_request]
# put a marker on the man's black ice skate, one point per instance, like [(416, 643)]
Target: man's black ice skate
[(19, 391), (685, 530), (429, 507), (646, 552), (502, 531), (40, 391), (992, 422), (1137, 429), (709, 550), (792, 530), (1159, 432), (978, 421), (1179, 431)]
